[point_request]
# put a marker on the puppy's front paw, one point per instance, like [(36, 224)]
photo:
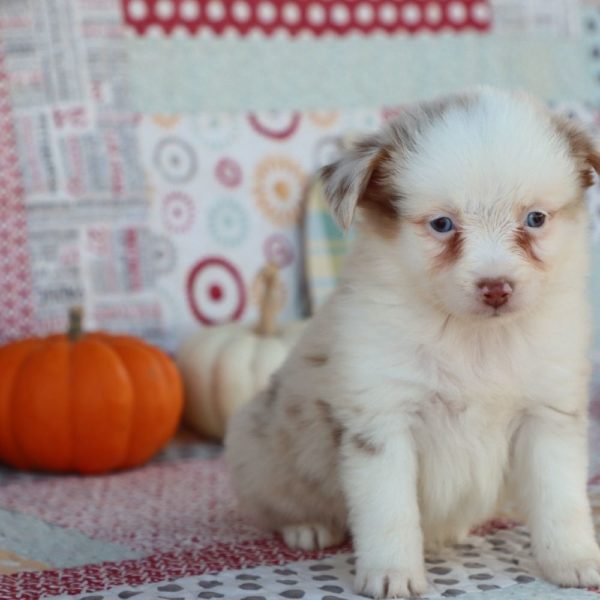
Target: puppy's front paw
[(573, 573), (311, 536), (390, 583)]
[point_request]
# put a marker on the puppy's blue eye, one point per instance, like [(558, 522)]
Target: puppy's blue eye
[(442, 224), (535, 219)]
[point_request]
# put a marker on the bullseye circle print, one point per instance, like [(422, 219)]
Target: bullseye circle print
[(277, 125), (175, 160), (215, 291), (178, 212)]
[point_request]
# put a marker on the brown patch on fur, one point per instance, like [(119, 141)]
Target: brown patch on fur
[(312, 484), (452, 251), (293, 410), (284, 440), (259, 424), (364, 445), (582, 149), (318, 360), (336, 196), (524, 242), (326, 413), (272, 392), (378, 200), (336, 435)]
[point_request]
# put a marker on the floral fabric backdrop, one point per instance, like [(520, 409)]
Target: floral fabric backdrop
[(155, 153)]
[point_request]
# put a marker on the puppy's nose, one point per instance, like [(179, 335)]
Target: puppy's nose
[(495, 292)]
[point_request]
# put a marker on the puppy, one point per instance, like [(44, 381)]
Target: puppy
[(449, 367)]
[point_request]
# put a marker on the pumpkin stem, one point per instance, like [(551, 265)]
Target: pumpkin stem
[(270, 302), (75, 330)]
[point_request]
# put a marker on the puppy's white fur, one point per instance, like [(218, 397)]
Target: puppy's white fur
[(410, 407)]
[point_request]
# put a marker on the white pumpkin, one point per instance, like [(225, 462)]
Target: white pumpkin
[(224, 366)]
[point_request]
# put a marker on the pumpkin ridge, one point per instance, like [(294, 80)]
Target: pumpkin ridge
[(14, 383), (22, 458), (30, 463), (47, 347), (108, 342), (130, 438), (92, 342), (173, 380), (123, 345)]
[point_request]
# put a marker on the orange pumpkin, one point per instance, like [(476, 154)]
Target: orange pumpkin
[(85, 402)]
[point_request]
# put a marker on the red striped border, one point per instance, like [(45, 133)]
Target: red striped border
[(159, 567), (294, 17)]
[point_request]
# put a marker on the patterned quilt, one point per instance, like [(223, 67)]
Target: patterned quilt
[(170, 530)]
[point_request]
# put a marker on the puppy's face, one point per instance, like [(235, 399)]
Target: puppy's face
[(478, 197)]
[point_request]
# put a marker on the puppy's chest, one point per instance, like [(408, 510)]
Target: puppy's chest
[(470, 403), (483, 379)]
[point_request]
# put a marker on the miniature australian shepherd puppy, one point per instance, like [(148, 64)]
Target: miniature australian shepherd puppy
[(449, 368)]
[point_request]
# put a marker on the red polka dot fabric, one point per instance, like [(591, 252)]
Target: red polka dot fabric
[(298, 17)]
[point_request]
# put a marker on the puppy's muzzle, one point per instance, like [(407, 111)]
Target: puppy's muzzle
[(495, 292)]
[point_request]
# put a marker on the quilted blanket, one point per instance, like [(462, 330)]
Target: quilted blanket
[(171, 530)]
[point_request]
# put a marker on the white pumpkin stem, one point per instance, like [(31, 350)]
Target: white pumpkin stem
[(270, 302)]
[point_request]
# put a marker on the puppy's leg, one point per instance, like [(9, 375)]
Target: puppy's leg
[(379, 473), (551, 468)]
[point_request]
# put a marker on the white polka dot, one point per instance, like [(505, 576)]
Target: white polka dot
[(189, 10), (411, 13), (154, 31), (316, 14), (481, 12), (363, 14), (433, 13), (240, 11), (290, 13), (230, 32), (457, 12), (387, 13), (339, 14), (266, 12), (137, 10), (215, 10), (180, 31), (164, 9), (280, 33)]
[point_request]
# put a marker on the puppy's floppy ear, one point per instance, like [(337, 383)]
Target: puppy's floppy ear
[(583, 147), (356, 178)]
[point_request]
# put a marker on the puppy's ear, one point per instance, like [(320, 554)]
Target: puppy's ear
[(582, 146), (358, 178)]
